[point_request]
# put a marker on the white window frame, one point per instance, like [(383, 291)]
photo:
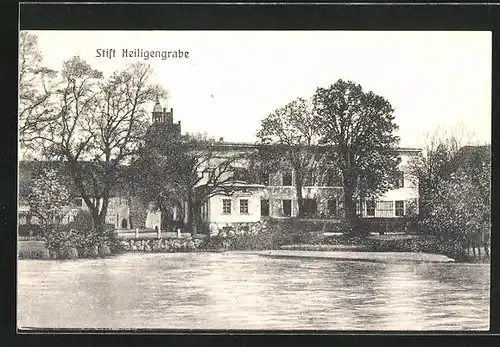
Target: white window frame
[(224, 201), (247, 209), (396, 209)]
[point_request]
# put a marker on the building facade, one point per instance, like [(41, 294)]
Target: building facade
[(275, 197), (272, 196)]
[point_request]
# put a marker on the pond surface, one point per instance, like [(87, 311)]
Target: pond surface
[(246, 291)]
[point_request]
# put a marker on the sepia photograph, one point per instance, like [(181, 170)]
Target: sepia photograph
[(254, 180)]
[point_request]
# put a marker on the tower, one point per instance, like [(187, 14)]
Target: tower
[(157, 112), (160, 116)]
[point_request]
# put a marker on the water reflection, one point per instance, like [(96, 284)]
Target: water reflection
[(244, 291)]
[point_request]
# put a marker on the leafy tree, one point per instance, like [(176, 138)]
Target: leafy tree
[(359, 128), (36, 86), (47, 195), (99, 126), (156, 175), (292, 132), (460, 209), (433, 166)]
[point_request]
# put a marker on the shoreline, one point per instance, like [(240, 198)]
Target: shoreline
[(35, 250), (385, 257)]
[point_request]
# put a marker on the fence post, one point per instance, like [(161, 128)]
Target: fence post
[(159, 233), (178, 233), (136, 233)]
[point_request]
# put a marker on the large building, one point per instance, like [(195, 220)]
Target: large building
[(273, 195)]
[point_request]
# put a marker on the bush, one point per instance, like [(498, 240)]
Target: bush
[(24, 230), (33, 254), (65, 241), (257, 236), (83, 221)]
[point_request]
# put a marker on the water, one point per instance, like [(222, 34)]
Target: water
[(245, 291)]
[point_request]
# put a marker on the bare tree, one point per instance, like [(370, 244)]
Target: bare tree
[(205, 172), (101, 123), (36, 86), (174, 172)]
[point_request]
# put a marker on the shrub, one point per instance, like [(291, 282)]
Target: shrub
[(33, 254), (61, 239), (257, 236), (25, 229), (83, 221)]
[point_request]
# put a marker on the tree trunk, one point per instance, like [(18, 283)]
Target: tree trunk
[(130, 217), (350, 208), (103, 212), (165, 219), (95, 218), (300, 199), (197, 216), (190, 213)]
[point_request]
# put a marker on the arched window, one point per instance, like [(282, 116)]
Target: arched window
[(124, 223)]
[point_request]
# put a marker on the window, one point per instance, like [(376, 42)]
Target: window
[(243, 206), (332, 207), (399, 181), (287, 179), (385, 208), (287, 208), (370, 208), (400, 208), (264, 207), (226, 206), (310, 207)]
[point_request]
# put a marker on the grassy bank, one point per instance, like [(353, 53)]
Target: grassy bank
[(256, 237)]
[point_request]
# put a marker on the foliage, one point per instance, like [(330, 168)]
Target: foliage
[(257, 236), (31, 230), (359, 126), (82, 221), (433, 166), (293, 132), (461, 208), (47, 196), (85, 241)]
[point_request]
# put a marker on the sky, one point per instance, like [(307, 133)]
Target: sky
[(231, 80)]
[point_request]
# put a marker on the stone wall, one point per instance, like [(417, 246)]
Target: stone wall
[(184, 244)]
